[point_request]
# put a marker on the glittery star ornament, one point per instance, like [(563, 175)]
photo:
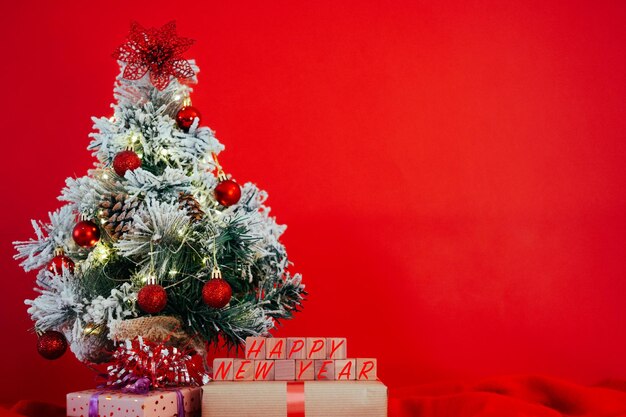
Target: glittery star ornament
[(157, 51)]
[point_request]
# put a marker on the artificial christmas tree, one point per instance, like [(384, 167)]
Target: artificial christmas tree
[(157, 229)]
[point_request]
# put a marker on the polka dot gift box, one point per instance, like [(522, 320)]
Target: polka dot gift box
[(175, 402)]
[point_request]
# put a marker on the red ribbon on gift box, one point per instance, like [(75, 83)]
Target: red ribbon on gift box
[(295, 399)]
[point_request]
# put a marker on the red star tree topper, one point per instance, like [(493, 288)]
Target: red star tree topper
[(155, 50)]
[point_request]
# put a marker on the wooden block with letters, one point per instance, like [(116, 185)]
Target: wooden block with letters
[(275, 348), (295, 359), (285, 370), (336, 348), (305, 370), (264, 370), (223, 369), (255, 348), (296, 348), (345, 369), (324, 370), (243, 370), (316, 348), (366, 369)]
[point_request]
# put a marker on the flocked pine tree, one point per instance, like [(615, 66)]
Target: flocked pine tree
[(156, 229)]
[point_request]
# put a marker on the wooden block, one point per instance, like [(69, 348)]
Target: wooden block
[(305, 370), (275, 348), (316, 348), (336, 348), (324, 369), (223, 369), (296, 348), (255, 348), (366, 369), (244, 370), (285, 370), (345, 369), (264, 370)]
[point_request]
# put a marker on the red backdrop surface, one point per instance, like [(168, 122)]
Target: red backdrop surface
[(452, 173)]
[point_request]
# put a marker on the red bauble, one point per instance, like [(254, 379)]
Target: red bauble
[(51, 344), (186, 116), (152, 298), (59, 262), (86, 234), (217, 293), (227, 193), (124, 161)]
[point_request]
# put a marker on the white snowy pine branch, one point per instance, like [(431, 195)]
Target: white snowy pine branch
[(35, 253), (167, 185), (129, 93), (119, 305), (156, 224), (86, 192), (262, 227), (59, 303), (145, 115)]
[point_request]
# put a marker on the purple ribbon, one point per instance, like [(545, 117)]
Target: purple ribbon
[(93, 404), (180, 403), (140, 386)]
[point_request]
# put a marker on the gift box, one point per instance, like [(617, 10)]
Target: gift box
[(157, 403), (294, 399)]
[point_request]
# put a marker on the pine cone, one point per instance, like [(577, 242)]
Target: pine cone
[(117, 211), (188, 202)]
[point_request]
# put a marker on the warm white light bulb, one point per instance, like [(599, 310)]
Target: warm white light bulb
[(101, 252)]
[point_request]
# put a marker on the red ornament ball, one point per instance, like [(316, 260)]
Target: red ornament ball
[(217, 293), (227, 193), (152, 298), (186, 116), (86, 234), (60, 262), (52, 344), (124, 161)]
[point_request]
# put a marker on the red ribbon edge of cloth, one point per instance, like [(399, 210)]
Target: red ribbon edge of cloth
[(295, 399)]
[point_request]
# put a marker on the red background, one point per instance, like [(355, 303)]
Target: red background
[(452, 174)]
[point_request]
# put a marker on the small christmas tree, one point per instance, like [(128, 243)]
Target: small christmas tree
[(156, 241)]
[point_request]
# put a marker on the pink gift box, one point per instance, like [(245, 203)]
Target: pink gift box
[(157, 403)]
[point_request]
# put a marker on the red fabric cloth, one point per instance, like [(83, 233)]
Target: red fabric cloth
[(33, 409), (510, 396)]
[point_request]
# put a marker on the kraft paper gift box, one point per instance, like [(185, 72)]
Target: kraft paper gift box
[(283, 399), (157, 403)]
